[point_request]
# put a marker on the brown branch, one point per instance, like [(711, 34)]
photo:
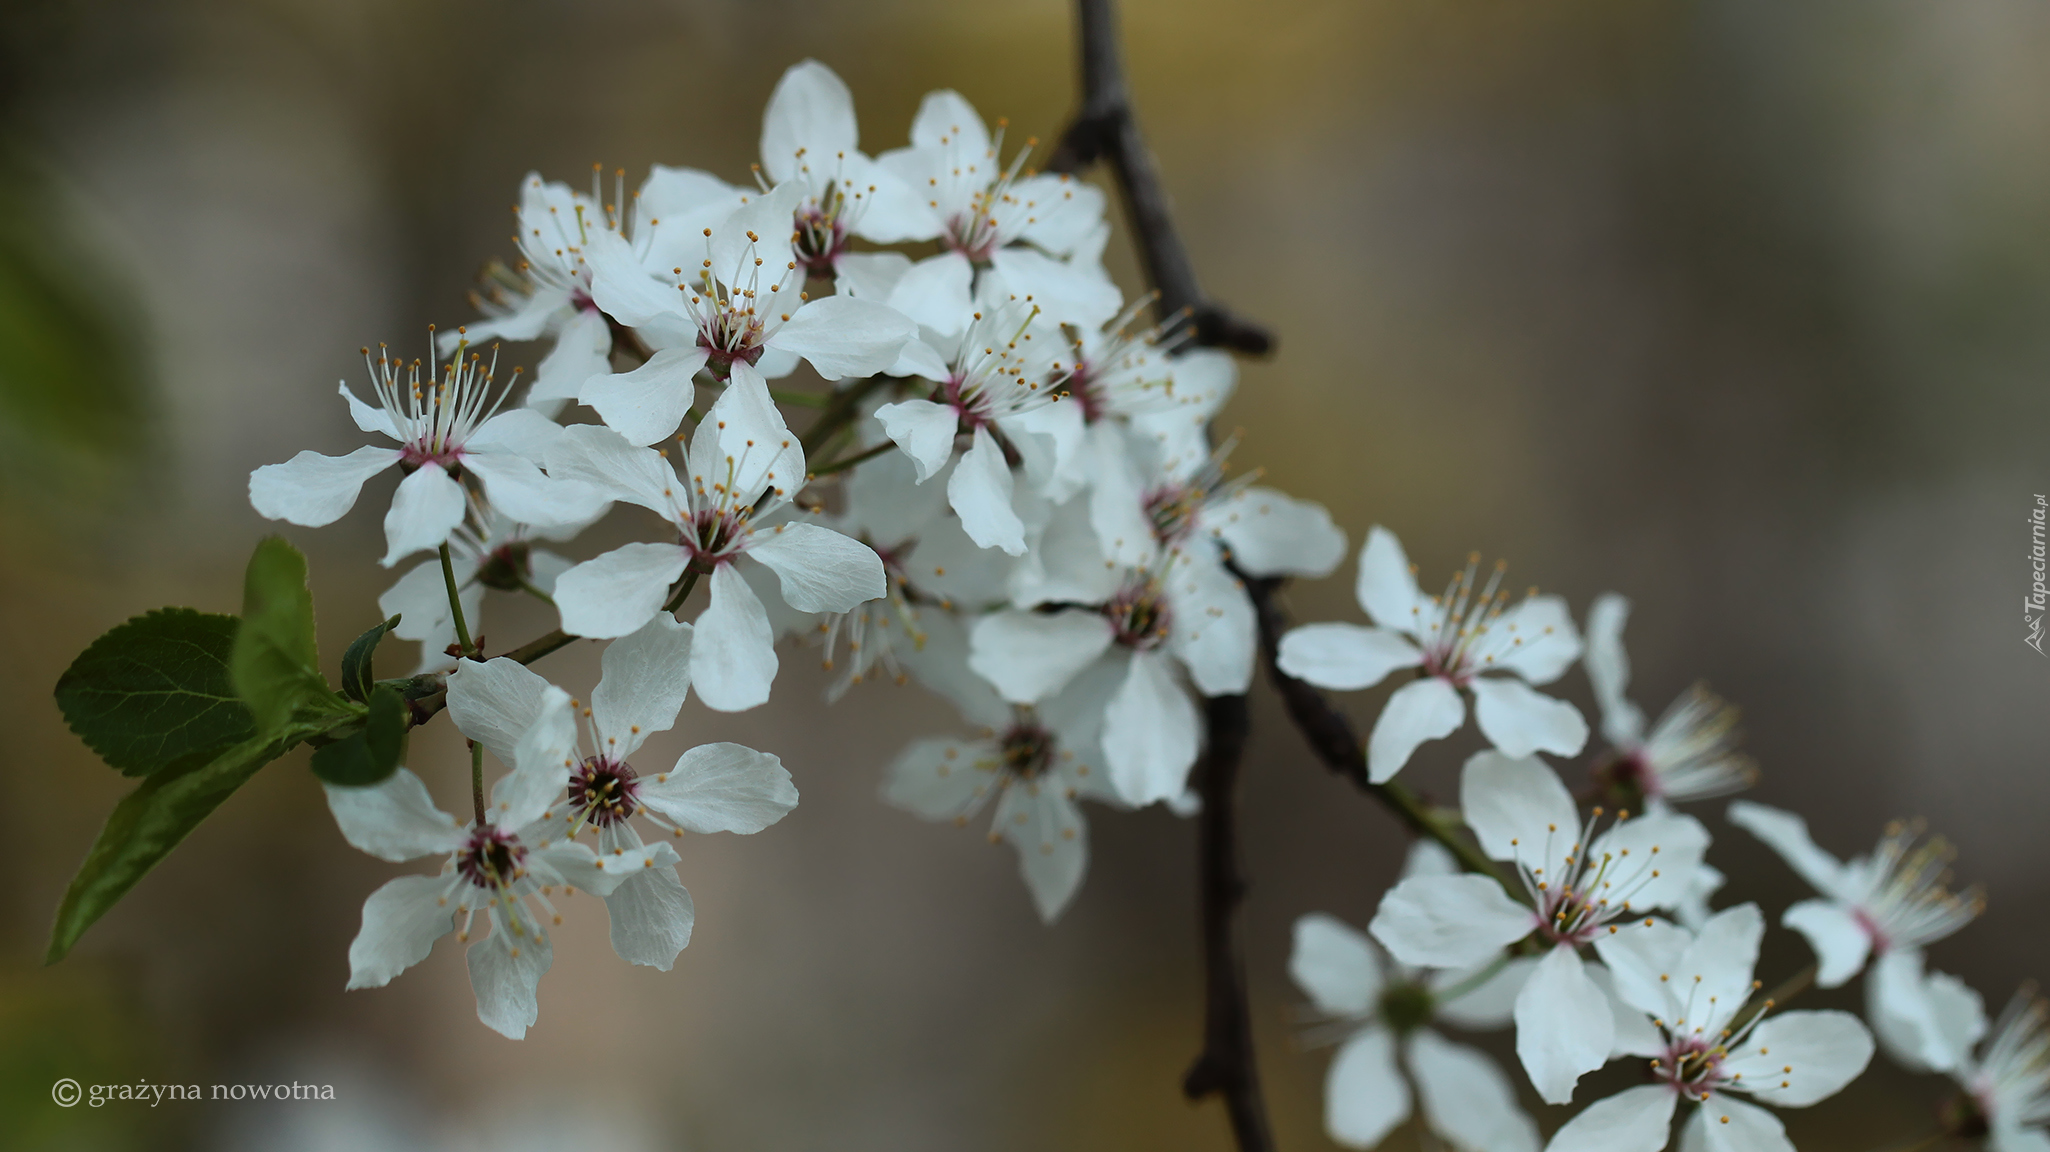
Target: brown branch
[(1226, 1066), (1106, 129)]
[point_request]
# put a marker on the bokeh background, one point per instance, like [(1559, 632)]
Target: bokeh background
[(1733, 305)]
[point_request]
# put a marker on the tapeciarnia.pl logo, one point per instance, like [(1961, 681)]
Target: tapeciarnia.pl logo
[(2038, 599)]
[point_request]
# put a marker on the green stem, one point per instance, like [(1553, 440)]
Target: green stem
[(1776, 996), (799, 399), (527, 586), (455, 604), (1474, 981), (477, 779), (859, 457)]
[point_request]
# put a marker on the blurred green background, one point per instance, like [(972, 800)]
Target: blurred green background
[(1735, 306)]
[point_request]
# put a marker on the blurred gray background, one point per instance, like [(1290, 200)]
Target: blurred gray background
[(1736, 307)]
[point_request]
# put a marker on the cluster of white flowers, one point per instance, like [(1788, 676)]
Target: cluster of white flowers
[(1007, 492)]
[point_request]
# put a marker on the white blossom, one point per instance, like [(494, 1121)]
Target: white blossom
[(1690, 754), (1578, 883), (1471, 640), (446, 429), (486, 551), (741, 468)]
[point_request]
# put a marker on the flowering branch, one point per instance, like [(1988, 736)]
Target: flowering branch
[(1106, 129)]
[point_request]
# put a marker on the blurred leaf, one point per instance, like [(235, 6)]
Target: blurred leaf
[(154, 694), (369, 755), (357, 678), (274, 664), (151, 820)]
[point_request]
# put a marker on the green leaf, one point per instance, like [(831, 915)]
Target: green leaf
[(357, 680), (372, 753), (154, 694), (150, 821), (274, 664)]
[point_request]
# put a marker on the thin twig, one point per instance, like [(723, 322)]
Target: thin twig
[(1106, 129), (1226, 1066), (860, 457), (455, 604)]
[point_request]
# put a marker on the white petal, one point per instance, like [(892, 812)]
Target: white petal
[(1043, 824), (494, 703), (602, 458), (935, 293), (1449, 921), (1826, 1051), (759, 266), (426, 508), (941, 779), (1655, 857), (1486, 1006), (1729, 1125), (542, 763), (980, 492), (1028, 656), (1563, 1025), (1335, 965), (924, 430), (394, 819), (1429, 858), (842, 336), (518, 490), (651, 915), (575, 865), (627, 293), (869, 275), (1514, 804), (1075, 292), (646, 405), (1787, 834), (733, 656), (1633, 1120), (894, 212), (1365, 1096), (918, 359), (1542, 642), (614, 594), (1643, 958), (1215, 634), (1271, 533), (1926, 1023), (1345, 657), (1608, 669), (1721, 958), (2012, 1137), (312, 490), (722, 788), (1466, 1097), (505, 973), (947, 120), (1387, 587), (1636, 1035), (1150, 732), (809, 121), (367, 418), (582, 350), (646, 677), (401, 922), (1520, 720), (1840, 942), (1427, 709), (1050, 440), (518, 431), (821, 570), (679, 204)]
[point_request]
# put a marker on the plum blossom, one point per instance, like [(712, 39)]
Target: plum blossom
[(1383, 1012), (446, 430), (1038, 235), (486, 551), (732, 307), (740, 470), (505, 867), (1471, 640), (2005, 1085), (810, 138), (1690, 754), (1035, 761), (710, 788), (1576, 886), (995, 385), (1884, 907), (550, 293), (1707, 1048)]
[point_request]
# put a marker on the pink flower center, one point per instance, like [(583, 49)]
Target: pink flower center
[(492, 859), (604, 791)]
